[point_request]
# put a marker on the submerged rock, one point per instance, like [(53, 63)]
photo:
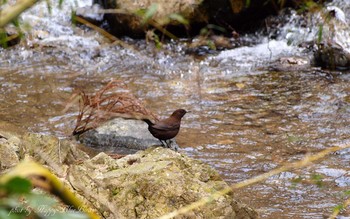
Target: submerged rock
[(292, 63)]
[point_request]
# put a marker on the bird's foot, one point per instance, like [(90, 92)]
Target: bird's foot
[(170, 144)]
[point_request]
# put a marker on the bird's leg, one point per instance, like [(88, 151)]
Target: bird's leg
[(172, 145), (168, 143), (162, 143)]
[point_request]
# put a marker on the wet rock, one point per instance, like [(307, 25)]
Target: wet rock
[(53, 152), (151, 183), (204, 45), (122, 136), (332, 47), (9, 150), (225, 14), (91, 13), (12, 37), (333, 56), (126, 22), (292, 63)]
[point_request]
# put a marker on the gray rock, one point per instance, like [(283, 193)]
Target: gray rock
[(332, 48), (122, 136)]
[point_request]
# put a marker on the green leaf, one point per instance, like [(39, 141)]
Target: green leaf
[(18, 185), (320, 33), (49, 6), (40, 201), (3, 213), (13, 208), (16, 23), (3, 38), (338, 207), (204, 31), (10, 215), (60, 2), (179, 18), (73, 17), (151, 10), (317, 179), (216, 27), (347, 192), (297, 180), (70, 215)]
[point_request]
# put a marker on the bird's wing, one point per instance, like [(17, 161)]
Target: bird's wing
[(164, 125)]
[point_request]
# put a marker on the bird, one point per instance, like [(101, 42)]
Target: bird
[(167, 128)]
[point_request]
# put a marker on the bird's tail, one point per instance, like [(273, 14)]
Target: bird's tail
[(149, 122)]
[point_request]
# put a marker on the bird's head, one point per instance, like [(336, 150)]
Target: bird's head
[(179, 113)]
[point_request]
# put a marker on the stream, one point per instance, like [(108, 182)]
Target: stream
[(245, 120)]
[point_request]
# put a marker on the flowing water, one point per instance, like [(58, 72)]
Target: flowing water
[(244, 120)]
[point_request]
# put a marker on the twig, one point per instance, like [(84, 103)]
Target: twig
[(111, 101), (59, 150), (336, 211), (12, 11), (30, 169)]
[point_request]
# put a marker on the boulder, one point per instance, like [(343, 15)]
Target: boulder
[(183, 17), (151, 183), (122, 136), (147, 184), (9, 150), (332, 45), (126, 20)]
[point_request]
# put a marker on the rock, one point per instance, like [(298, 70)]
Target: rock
[(126, 22), (292, 63), (147, 184), (333, 56), (122, 136), (183, 17), (91, 13), (55, 153), (151, 183), (9, 150), (332, 47)]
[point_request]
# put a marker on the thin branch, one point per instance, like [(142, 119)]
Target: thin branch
[(10, 12), (336, 211), (111, 101)]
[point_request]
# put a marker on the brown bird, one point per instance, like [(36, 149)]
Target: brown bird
[(168, 128)]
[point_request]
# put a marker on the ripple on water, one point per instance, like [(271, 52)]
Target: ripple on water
[(340, 176)]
